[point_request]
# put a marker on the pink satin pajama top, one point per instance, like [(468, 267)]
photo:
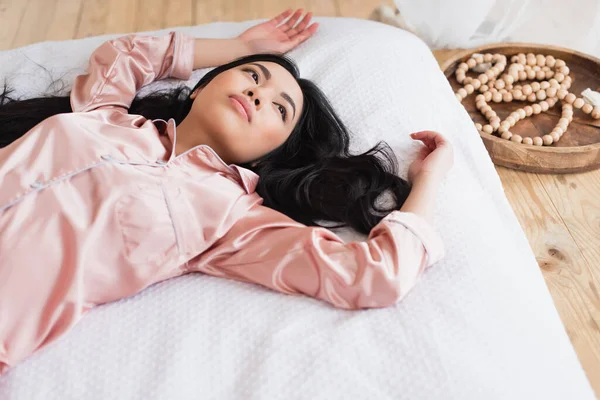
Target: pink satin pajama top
[(95, 206)]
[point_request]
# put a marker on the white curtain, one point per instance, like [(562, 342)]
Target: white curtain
[(574, 24)]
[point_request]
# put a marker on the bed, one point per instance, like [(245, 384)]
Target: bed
[(480, 324)]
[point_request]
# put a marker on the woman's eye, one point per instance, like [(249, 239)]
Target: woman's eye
[(283, 111), (253, 74)]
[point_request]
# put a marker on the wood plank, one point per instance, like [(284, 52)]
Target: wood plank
[(570, 278), (213, 10), (34, 23), (121, 16), (93, 18), (11, 14), (179, 13), (150, 15), (359, 8), (575, 196), (64, 20)]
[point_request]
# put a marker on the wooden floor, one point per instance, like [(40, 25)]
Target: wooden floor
[(560, 214)]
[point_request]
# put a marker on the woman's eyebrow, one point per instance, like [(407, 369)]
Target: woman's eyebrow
[(286, 96)]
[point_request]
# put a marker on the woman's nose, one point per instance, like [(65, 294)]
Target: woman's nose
[(254, 99)]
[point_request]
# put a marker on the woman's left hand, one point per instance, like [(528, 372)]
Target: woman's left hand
[(268, 37)]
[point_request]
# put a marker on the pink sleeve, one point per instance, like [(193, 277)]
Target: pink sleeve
[(120, 67), (270, 249)]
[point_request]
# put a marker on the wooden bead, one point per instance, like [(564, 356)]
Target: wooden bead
[(558, 130), (548, 74), (507, 97), (504, 126), (511, 121), (551, 92), (547, 140), (495, 124), (506, 135), (494, 119), (539, 75), (559, 77), (487, 57), (570, 98), (554, 83), (587, 108), (578, 103), (483, 78), (527, 140), (476, 83), (458, 97), (536, 68), (484, 89), (516, 138), (471, 63), (487, 129), (528, 110), (532, 98), (562, 93), (551, 102), (527, 90), (550, 61), (535, 86), (478, 126), (517, 94), (509, 79), (559, 63), (479, 97), (536, 108), (540, 59), (522, 75), (544, 105), (478, 58), (555, 136), (490, 73), (541, 94), (462, 67), (531, 74), (522, 113), (596, 112), (564, 70), (487, 96), (462, 92), (544, 85), (500, 84), (497, 97), (537, 141)]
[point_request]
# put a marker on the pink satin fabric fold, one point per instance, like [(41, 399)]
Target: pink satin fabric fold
[(95, 207)]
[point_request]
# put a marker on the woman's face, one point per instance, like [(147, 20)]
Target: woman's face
[(247, 111)]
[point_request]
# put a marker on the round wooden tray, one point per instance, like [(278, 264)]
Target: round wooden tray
[(579, 148)]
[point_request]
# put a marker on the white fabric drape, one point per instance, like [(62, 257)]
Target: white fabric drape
[(573, 24)]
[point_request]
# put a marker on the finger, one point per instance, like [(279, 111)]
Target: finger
[(305, 34), (302, 25), (434, 137), (279, 18), (289, 24)]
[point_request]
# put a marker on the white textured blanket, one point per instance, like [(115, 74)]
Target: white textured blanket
[(479, 325)]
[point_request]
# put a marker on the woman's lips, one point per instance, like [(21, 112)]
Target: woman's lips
[(237, 104)]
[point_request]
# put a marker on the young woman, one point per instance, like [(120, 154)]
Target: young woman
[(104, 194)]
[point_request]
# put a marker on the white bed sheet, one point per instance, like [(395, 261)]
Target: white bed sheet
[(479, 325)]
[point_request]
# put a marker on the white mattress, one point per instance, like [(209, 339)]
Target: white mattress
[(479, 325)]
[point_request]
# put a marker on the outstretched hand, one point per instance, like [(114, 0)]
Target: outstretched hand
[(273, 36)]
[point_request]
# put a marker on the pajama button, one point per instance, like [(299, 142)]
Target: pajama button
[(37, 185), (161, 162), (106, 157)]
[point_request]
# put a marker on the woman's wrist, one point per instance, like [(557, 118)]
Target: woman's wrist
[(215, 52)]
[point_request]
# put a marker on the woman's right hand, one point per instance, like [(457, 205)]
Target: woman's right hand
[(435, 158)]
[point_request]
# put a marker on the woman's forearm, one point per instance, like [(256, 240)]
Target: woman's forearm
[(421, 199), (214, 52)]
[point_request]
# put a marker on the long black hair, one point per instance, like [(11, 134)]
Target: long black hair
[(311, 177)]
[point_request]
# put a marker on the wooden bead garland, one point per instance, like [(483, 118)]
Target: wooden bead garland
[(551, 83)]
